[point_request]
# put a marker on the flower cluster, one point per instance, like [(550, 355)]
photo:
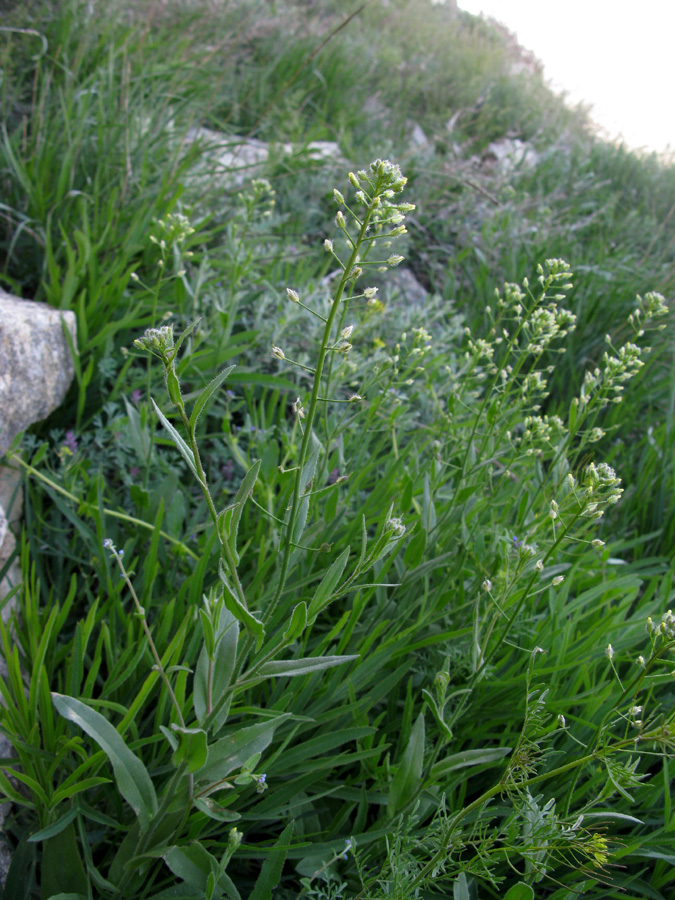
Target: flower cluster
[(158, 341), (171, 230)]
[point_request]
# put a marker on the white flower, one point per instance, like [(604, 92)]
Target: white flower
[(278, 352), (487, 585), (395, 259), (298, 410), (558, 580), (292, 295), (609, 652)]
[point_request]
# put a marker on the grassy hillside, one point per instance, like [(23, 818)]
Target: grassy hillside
[(383, 610)]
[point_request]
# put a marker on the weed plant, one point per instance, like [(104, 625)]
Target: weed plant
[(395, 660), (316, 628)]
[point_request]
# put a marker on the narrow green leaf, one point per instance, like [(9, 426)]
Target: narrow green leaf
[(228, 520), (327, 586), (226, 638), (437, 714), (132, 777), (64, 793), (407, 779), (297, 624), (309, 469), (469, 758), (270, 874), (190, 328), (284, 668), (239, 611), (206, 395), (301, 520), (53, 829), (183, 448)]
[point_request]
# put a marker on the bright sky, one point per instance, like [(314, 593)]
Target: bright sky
[(613, 54)]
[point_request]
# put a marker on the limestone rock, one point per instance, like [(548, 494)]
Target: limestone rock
[(36, 366), (401, 285), (233, 160), (510, 154)]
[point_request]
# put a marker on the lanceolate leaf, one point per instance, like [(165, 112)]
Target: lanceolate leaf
[(183, 448), (409, 773), (469, 758), (132, 777), (205, 396), (228, 521), (270, 874), (239, 611), (220, 670), (282, 668), (297, 624), (328, 585)]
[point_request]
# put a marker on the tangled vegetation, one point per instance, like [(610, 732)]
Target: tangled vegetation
[(325, 593)]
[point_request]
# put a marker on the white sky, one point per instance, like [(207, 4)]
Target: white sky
[(618, 56)]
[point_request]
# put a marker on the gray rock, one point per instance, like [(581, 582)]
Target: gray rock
[(36, 366), (36, 369), (401, 284), (510, 154), (233, 160)]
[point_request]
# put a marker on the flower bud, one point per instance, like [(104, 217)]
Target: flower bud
[(292, 295), (278, 352)]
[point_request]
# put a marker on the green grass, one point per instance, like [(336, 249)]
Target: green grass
[(426, 543)]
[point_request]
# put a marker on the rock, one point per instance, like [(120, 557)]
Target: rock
[(401, 284), (233, 160), (509, 154), (418, 138), (36, 369), (36, 366)]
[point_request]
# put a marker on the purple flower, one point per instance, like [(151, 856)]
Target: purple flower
[(71, 441), (334, 475), (228, 470), (136, 395), (133, 471)]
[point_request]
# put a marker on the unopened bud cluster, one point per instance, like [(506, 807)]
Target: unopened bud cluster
[(158, 341)]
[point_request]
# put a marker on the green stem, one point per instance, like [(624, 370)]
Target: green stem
[(87, 506), (304, 448)]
